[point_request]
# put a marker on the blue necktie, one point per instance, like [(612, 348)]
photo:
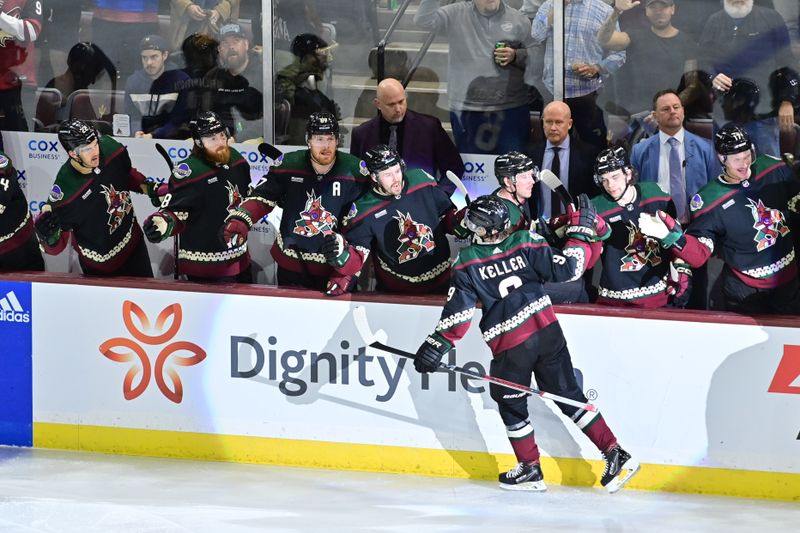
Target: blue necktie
[(677, 189)]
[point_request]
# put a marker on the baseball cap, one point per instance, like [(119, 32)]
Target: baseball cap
[(667, 2), (153, 42), (233, 29)]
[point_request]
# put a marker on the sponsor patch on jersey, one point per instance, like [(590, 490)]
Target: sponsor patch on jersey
[(3, 161), (615, 218), (297, 179), (86, 194), (362, 167), (380, 213), (56, 194), (729, 203), (696, 202), (183, 170), (213, 180)]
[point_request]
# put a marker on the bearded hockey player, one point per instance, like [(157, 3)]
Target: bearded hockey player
[(202, 191), (91, 201), (744, 214), (19, 249), (505, 270), (402, 220), (636, 270), (315, 188)]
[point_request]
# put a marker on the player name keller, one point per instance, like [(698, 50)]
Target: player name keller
[(506, 266)]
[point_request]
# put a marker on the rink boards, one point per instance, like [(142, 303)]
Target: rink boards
[(259, 375)]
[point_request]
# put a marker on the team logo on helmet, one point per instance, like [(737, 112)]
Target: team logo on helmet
[(768, 223), (314, 219), (183, 170), (414, 238), (234, 196), (119, 205), (641, 250), (56, 194)]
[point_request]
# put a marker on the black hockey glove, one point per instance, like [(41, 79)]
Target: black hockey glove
[(334, 248), (48, 227), (430, 353), (158, 227), (582, 221)]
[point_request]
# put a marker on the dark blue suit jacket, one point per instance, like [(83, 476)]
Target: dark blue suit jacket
[(702, 164), (425, 145)]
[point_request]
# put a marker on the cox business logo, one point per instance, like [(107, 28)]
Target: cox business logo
[(127, 350), (43, 149), (11, 310)]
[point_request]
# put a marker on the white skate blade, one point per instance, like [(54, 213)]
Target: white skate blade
[(629, 469), (535, 486)]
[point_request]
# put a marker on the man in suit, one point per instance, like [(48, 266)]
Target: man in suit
[(681, 163), (418, 138), (573, 164)]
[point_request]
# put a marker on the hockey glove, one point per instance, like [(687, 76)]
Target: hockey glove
[(158, 227), (48, 227), (430, 353), (334, 248), (679, 284), (663, 228), (581, 224), (237, 225), (338, 285), (154, 191)]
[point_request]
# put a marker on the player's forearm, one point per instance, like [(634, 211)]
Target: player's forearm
[(21, 29)]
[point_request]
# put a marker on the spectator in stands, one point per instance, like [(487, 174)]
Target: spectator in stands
[(587, 63), (155, 98), (566, 156), (234, 85), (203, 16), (112, 20), (487, 95), (681, 163), (86, 64), (200, 53), (748, 41), (20, 26), (657, 56), (300, 82), (418, 138), (739, 105), (697, 95)]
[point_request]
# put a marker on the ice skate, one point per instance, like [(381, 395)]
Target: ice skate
[(523, 477), (619, 469)]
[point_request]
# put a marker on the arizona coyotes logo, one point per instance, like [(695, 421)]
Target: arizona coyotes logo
[(125, 350), (13, 12), (314, 220), (641, 250), (119, 205), (414, 238), (234, 196), (769, 225)]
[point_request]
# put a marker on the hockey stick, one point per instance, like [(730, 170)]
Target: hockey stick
[(271, 152), (371, 339), (460, 203), (175, 246), (557, 186)]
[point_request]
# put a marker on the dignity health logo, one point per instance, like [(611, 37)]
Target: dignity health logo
[(11, 310), (126, 350)]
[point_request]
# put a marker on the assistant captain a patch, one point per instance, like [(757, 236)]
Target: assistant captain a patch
[(696, 202)]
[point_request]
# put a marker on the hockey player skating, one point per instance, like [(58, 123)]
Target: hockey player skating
[(91, 201), (203, 190), (745, 213), (315, 188), (637, 271), (19, 249), (402, 220), (504, 270)]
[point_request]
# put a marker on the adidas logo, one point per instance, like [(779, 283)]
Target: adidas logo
[(11, 310)]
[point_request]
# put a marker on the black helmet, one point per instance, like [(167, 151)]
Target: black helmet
[(487, 215), (73, 133), (513, 163), (609, 160), (381, 157), (742, 96), (322, 123), (731, 139), (306, 43), (206, 124), (784, 85)]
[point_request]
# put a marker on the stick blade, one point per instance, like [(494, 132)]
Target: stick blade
[(271, 152), (460, 197), (364, 331)]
